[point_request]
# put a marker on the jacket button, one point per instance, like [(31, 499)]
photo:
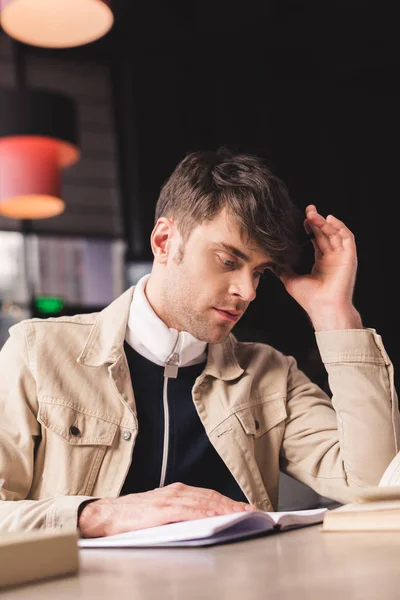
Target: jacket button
[(74, 430), (126, 435), (257, 424)]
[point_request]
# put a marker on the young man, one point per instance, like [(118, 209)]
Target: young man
[(151, 412)]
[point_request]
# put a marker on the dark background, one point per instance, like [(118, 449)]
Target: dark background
[(309, 86)]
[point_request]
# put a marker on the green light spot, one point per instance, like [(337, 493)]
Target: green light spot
[(49, 304)]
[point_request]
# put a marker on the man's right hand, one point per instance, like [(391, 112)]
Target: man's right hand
[(169, 504)]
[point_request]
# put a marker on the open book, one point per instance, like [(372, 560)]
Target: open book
[(209, 531), (375, 508)]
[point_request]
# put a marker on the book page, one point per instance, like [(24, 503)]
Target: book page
[(391, 476), (388, 487), (298, 517), (391, 492), (379, 505)]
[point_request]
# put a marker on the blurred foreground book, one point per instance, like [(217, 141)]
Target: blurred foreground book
[(34, 555)]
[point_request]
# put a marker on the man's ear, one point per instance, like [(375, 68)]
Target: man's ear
[(161, 239)]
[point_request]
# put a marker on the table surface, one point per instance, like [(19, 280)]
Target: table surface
[(302, 564)]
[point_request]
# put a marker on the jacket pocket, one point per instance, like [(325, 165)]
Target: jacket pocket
[(259, 418), (72, 449), (75, 427)]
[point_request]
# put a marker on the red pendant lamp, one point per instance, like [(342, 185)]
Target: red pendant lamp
[(56, 23), (38, 138)]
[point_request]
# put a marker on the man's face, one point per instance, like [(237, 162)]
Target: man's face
[(211, 280)]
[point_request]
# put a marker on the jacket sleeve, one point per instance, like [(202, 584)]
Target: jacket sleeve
[(336, 445), (19, 432)]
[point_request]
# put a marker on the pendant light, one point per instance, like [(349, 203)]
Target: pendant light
[(56, 23), (38, 138)]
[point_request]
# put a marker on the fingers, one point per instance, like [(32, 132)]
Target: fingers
[(204, 499), (330, 233), (326, 236), (182, 502), (344, 232)]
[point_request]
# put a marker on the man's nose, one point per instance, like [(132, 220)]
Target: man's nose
[(246, 288)]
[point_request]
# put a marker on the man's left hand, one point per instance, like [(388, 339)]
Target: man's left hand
[(326, 294)]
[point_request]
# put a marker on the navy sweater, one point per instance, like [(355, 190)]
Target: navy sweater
[(191, 457)]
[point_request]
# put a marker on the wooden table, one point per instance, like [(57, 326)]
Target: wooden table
[(302, 564)]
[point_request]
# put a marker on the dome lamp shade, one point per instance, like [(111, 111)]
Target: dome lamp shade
[(38, 138), (56, 23)]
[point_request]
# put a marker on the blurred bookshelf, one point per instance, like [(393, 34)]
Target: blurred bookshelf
[(43, 276)]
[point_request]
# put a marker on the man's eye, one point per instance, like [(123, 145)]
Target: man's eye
[(228, 263)]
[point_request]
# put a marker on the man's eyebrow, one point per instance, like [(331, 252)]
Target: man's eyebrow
[(242, 255)]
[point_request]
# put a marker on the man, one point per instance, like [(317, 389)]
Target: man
[(151, 412)]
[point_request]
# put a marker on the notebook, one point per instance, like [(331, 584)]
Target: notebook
[(209, 531)]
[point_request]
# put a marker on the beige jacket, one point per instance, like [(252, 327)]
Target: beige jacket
[(68, 421)]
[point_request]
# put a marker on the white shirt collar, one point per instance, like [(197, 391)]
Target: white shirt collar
[(153, 339)]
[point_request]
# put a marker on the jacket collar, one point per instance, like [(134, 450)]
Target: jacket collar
[(222, 362), (106, 340)]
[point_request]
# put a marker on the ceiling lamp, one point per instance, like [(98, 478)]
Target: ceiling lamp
[(38, 137), (56, 23)]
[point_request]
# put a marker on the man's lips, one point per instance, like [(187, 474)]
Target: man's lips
[(232, 315)]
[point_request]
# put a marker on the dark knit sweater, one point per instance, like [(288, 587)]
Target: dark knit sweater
[(191, 457)]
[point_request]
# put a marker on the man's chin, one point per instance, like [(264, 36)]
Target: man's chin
[(217, 337), (210, 335)]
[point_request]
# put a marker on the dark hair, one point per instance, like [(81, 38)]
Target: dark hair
[(204, 183)]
